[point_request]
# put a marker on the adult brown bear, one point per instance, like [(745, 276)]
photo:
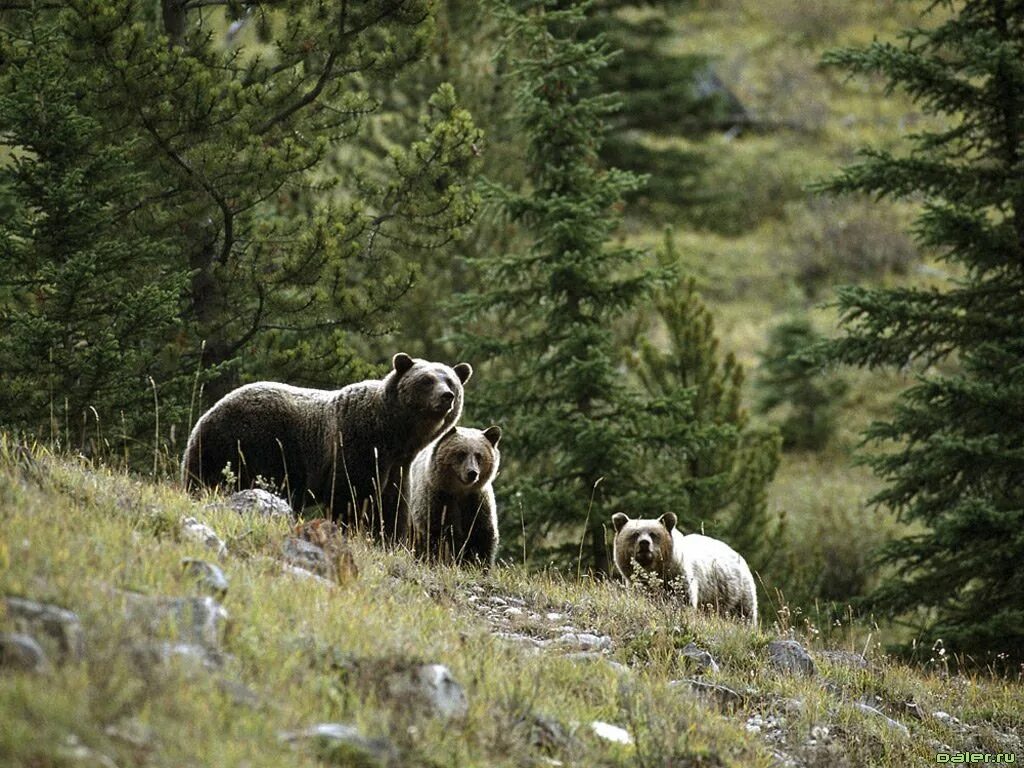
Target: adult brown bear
[(347, 449)]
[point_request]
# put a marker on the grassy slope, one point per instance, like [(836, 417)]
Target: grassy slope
[(79, 536)]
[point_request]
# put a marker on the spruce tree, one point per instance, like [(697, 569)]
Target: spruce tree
[(789, 377), (88, 298), (584, 441), (954, 463), (252, 178), (722, 472)]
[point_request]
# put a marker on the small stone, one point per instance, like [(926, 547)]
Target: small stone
[(342, 744), (699, 659), (210, 577), (189, 655), (433, 688), (305, 555), (132, 731), (60, 624), (789, 656), (259, 502), (869, 710), (302, 573), (610, 732), (498, 601), (725, 697), (553, 616), (513, 610), (21, 652), (193, 530), (189, 620), (586, 641)]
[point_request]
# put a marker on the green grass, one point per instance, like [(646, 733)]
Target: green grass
[(81, 536)]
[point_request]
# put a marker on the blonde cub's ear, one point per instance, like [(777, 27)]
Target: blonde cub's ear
[(619, 521), (668, 520)]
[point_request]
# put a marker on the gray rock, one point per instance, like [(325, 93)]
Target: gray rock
[(302, 573), (595, 656), (209, 576), (133, 731), (699, 659), (188, 620), (516, 637), (869, 710), (343, 744), (22, 653), (261, 503), (585, 641), (190, 656), (726, 698), (432, 689), (789, 656), (193, 530), (304, 554), (58, 623)]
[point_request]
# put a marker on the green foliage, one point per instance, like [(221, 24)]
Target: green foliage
[(242, 161), (663, 93), (790, 380), (578, 430), (955, 464), (726, 466), (88, 286)]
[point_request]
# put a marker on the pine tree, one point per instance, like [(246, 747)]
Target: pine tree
[(721, 475), (954, 465), (664, 94), (246, 149), (583, 440), (88, 299), (790, 377)]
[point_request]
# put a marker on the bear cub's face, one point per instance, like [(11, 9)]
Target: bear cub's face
[(646, 541), (467, 459), (431, 389)]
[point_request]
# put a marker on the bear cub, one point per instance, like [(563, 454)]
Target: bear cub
[(451, 500), (348, 449), (713, 574)]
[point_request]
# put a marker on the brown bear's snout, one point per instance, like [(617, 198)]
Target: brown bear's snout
[(470, 471)]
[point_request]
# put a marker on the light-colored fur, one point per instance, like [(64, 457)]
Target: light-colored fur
[(714, 574)]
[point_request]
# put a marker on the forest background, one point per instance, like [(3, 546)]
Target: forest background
[(198, 194)]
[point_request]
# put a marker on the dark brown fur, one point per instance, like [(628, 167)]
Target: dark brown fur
[(347, 449), (451, 499)]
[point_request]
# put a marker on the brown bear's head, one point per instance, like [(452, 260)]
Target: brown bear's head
[(467, 459), (428, 395), (644, 541)]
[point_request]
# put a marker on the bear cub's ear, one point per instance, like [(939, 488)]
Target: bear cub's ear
[(402, 363), (669, 520), (493, 435), (463, 371), (619, 521)]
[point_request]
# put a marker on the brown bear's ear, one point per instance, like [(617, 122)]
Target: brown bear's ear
[(493, 435), (669, 520), (619, 520), (463, 371), (401, 363)]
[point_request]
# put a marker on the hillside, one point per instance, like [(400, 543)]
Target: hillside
[(155, 668)]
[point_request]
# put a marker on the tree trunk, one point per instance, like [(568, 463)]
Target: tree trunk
[(175, 18)]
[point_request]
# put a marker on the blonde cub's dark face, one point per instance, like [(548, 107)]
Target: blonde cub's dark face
[(468, 458), (647, 543)]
